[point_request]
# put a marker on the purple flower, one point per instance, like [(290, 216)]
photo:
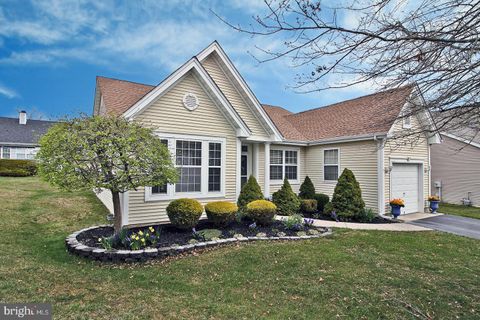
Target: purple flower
[(334, 216), (308, 221), (253, 226)]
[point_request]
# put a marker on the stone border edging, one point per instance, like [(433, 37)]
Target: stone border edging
[(99, 254)]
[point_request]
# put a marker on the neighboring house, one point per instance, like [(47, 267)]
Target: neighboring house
[(219, 134), (19, 136), (456, 167)]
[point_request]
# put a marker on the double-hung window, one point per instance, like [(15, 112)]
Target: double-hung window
[(200, 164), (214, 166), (189, 163), (330, 165), (283, 164)]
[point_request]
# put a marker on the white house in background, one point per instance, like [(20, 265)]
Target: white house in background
[(19, 136), (219, 133)]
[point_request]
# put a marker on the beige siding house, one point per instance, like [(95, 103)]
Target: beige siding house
[(456, 168), (219, 134)]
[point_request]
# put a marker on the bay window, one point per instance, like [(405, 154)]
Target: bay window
[(200, 165), (283, 164)]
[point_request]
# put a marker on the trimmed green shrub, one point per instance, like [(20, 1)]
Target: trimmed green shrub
[(308, 205), (250, 192), (286, 200), (261, 212), (322, 200), (184, 213), (328, 209), (221, 213), (367, 215), (307, 189), (347, 198), (17, 168)]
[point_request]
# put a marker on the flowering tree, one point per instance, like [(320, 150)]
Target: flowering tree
[(104, 153)]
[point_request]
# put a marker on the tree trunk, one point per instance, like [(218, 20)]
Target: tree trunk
[(117, 212)]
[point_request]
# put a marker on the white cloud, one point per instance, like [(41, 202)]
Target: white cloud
[(8, 92)]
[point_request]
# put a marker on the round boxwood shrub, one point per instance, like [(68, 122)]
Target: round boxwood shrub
[(286, 200), (184, 213), (261, 211), (322, 200), (308, 205), (307, 189), (221, 213), (250, 191)]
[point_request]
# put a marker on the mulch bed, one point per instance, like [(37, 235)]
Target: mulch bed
[(376, 220), (173, 236)]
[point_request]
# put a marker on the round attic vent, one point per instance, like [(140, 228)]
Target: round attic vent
[(190, 101)]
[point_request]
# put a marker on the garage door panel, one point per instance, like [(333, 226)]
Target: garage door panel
[(405, 185)]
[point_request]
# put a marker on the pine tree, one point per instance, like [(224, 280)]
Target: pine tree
[(347, 198), (251, 191), (286, 200), (307, 189)]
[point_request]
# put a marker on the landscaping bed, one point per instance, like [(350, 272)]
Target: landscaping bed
[(375, 220), (172, 241)]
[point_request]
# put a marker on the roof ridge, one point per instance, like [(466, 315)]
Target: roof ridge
[(122, 80), (352, 99)]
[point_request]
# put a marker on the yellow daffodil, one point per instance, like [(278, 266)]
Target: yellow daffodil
[(143, 240), (151, 229), (140, 232), (147, 234)]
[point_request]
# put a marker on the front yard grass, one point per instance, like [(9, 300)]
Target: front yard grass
[(353, 274), (459, 210)]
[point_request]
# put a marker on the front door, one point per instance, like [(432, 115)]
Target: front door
[(244, 166)]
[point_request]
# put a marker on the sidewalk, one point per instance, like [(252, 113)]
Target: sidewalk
[(376, 226)]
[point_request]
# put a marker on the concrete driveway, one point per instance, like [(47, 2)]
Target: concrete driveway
[(462, 226)]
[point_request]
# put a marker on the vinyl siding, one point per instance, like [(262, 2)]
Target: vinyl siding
[(416, 148), (360, 157), (218, 74), (167, 114), (457, 166)]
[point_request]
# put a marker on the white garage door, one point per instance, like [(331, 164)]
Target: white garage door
[(405, 185)]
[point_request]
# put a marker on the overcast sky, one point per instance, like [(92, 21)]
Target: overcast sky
[(51, 51)]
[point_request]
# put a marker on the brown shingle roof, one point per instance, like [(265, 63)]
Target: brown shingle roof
[(371, 114), (120, 95)]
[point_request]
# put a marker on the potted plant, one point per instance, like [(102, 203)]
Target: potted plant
[(396, 204), (434, 201)]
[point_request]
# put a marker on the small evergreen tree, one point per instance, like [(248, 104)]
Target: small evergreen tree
[(286, 200), (347, 199), (251, 191), (307, 189)]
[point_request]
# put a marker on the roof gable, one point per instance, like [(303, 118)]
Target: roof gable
[(244, 89)]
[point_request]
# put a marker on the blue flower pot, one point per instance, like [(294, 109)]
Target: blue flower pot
[(395, 211), (434, 206)]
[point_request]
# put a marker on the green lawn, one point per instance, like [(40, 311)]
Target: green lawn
[(353, 274), (459, 210)]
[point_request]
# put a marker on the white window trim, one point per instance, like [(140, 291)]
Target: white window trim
[(323, 164), (203, 194), (283, 149)]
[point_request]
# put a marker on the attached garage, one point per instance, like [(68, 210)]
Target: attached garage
[(407, 184)]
